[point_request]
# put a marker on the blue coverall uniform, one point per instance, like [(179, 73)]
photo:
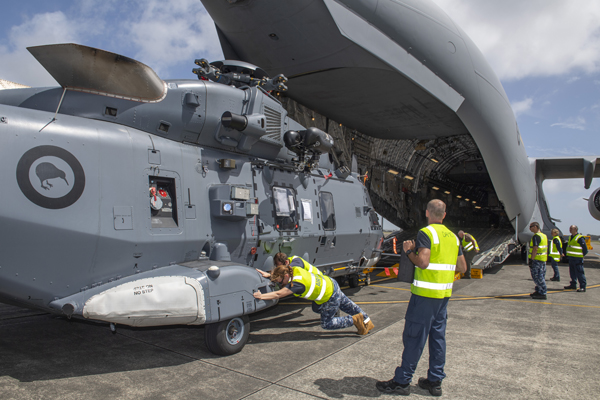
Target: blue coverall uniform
[(576, 265), (425, 318)]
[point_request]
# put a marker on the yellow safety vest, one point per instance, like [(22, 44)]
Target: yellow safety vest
[(318, 287), (542, 251), (554, 253), (437, 279), (307, 266), (574, 249), (468, 246)]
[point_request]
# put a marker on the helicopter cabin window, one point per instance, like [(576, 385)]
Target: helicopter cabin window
[(327, 211), (286, 215), (163, 206), (373, 218)]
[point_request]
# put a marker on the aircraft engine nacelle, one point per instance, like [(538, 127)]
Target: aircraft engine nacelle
[(252, 126), (594, 204)]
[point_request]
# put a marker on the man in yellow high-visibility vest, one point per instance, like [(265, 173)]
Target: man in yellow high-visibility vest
[(538, 255), (470, 249), (298, 277), (436, 255), (575, 251), (555, 253)]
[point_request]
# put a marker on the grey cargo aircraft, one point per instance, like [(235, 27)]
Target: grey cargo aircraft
[(417, 98), (146, 202)]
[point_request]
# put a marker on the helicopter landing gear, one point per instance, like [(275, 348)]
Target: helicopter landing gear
[(228, 337), (353, 280), (366, 278)]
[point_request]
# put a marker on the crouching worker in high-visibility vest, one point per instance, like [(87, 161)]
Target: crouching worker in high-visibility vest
[(298, 277)]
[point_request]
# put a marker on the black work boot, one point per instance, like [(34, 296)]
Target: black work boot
[(393, 387), (435, 388)]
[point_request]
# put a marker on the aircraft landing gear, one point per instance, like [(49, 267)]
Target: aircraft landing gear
[(366, 279), (354, 280), (228, 337)]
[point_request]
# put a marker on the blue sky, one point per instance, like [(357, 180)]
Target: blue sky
[(545, 52)]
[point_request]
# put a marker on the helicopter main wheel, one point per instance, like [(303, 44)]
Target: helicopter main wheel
[(353, 280), (227, 337)]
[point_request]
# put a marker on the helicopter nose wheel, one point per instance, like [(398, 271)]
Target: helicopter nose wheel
[(227, 337)]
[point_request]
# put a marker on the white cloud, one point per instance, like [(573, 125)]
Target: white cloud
[(44, 28), (565, 199), (557, 152), (553, 186), (534, 37), (160, 34), (171, 33), (573, 79), (523, 106), (17, 64), (572, 123)]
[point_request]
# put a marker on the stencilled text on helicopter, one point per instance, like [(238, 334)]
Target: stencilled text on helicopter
[(144, 289)]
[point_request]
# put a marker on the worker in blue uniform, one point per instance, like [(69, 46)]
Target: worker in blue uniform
[(576, 249), (436, 255), (538, 255), (555, 253)]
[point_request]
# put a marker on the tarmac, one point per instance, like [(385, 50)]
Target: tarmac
[(501, 344)]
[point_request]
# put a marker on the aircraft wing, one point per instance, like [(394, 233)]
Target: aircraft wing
[(568, 168)]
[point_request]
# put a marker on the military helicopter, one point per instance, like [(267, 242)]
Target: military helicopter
[(145, 202)]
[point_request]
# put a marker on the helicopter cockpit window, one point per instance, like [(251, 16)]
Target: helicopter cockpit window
[(327, 211), (163, 206), (286, 215)]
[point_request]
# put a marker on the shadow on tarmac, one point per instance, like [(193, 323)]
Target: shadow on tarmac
[(55, 348), (362, 386), (46, 347)]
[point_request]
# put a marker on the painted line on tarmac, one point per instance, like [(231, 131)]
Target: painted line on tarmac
[(389, 287), (452, 299), (463, 298), (552, 304), (356, 302)]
